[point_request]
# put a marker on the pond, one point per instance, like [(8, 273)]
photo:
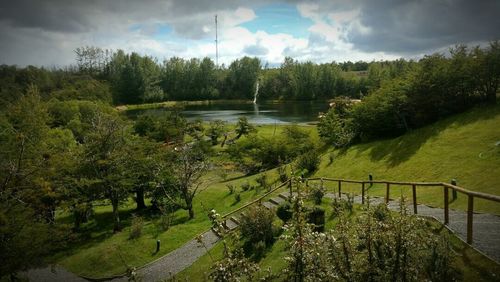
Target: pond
[(260, 113)]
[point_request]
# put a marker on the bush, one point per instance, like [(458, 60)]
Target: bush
[(257, 225), (284, 212), (282, 173), (231, 188), (136, 227), (262, 181), (309, 161), (340, 206), (317, 193), (317, 217), (246, 186), (237, 197)]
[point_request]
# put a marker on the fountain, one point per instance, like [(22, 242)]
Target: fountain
[(256, 92)]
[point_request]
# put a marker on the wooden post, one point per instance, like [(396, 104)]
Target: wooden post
[(454, 192), (363, 193), (340, 188), (414, 190), (387, 193), (446, 210), (470, 213)]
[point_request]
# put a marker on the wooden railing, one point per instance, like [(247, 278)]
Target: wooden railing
[(258, 200), (470, 195)]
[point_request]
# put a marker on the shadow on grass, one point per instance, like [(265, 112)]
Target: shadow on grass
[(402, 148)]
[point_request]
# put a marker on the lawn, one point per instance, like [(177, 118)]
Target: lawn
[(461, 147)]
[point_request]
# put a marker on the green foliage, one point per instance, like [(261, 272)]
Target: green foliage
[(136, 227), (257, 225), (237, 197), (284, 211), (316, 194), (263, 181), (397, 248), (243, 127), (309, 162), (316, 217), (168, 127), (282, 173), (231, 188), (216, 129)]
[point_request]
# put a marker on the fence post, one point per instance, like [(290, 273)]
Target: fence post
[(363, 192), (340, 188), (446, 211), (470, 213), (454, 192), (414, 190), (370, 177), (387, 193)]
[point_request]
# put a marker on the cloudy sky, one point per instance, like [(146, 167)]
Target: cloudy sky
[(45, 32)]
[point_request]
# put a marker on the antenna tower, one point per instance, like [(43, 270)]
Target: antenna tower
[(216, 44)]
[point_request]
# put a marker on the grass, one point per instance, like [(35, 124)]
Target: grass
[(473, 265), (460, 147)]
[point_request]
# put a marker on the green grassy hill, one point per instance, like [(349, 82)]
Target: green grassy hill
[(461, 147)]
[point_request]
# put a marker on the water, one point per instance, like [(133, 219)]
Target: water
[(257, 113)]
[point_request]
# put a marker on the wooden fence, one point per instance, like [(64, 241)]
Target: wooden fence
[(471, 195)]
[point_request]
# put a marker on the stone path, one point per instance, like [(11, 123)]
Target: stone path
[(486, 239)]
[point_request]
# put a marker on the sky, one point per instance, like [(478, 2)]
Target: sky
[(46, 32)]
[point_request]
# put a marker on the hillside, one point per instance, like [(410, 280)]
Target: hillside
[(464, 147)]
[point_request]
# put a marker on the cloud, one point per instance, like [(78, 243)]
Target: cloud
[(46, 32)]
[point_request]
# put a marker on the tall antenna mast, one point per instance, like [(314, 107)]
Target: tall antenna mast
[(216, 44)]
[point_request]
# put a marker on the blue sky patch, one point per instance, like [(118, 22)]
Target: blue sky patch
[(279, 18)]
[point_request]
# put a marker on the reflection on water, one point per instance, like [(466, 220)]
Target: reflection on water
[(259, 113)]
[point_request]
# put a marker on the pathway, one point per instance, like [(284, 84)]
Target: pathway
[(486, 240)]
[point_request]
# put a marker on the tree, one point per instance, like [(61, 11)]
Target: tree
[(487, 70), (189, 165), (243, 127), (27, 193), (215, 130), (105, 160)]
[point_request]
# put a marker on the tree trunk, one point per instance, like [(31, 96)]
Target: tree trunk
[(139, 199), (191, 212), (116, 215)]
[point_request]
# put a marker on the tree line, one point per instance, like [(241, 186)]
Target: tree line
[(405, 96)]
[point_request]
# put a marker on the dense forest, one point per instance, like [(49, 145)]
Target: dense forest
[(66, 148)]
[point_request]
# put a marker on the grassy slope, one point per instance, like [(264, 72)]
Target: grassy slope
[(448, 149)]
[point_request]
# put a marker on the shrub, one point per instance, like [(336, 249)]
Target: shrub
[(282, 173), (257, 225), (317, 217), (284, 212), (340, 206), (309, 161), (136, 227), (237, 197), (231, 188), (262, 181), (245, 186), (316, 194), (331, 157)]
